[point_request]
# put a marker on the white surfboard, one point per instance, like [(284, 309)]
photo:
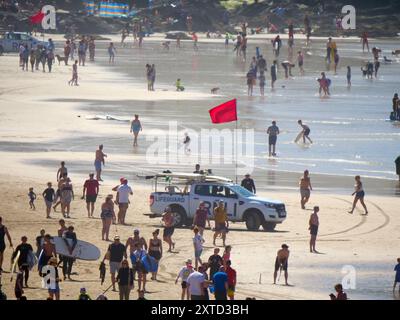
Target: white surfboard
[(83, 250), (299, 136)]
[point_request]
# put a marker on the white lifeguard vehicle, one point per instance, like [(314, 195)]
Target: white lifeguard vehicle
[(183, 192), (11, 41)]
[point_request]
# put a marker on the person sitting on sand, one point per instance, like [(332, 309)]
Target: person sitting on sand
[(281, 262), (179, 86), (340, 295)]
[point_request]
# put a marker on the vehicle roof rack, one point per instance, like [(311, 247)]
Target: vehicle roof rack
[(189, 177)]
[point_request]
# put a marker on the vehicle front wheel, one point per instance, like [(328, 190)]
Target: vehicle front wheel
[(253, 221), (179, 217), (269, 226)]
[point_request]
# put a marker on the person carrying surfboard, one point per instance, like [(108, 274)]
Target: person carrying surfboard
[(3, 233), (70, 241), (304, 133), (24, 249)]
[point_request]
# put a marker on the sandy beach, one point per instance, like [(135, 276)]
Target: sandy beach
[(34, 122)]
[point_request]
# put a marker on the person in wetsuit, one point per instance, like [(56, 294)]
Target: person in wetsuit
[(3, 232), (22, 262)]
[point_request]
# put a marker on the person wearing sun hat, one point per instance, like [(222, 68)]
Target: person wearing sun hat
[(281, 262), (55, 291), (183, 274)]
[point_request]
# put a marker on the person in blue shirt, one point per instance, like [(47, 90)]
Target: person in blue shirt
[(397, 277), (220, 280)]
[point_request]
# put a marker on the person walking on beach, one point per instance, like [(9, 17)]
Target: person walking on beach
[(358, 195), (99, 161), (111, 52), (195, 283), (250, 76), (74, 79), (305, 189), (221, 222), (348, 76), (82, 52), (55, 291), (155, 250), (273, 73), (32, 198), (231, 273), (49, 251), (215, 261), (32, 59), (281, 262), (67, 195), (300, 62), (49, 198), (304, 133), (91, 189), (50, 59), (220, 281), (24, 249), (63, 169), (313, 227), (169, 228), (92, 49), (125, 280), (107, 216), (136, 127), (397, 276), (70, 240), (201, 217), (67, 51), (25, 58), (364, 39), (273, 132), (122, 199), (152, 77), (397, 162), (340, 295), (39, 242), (248, 183), (116, 253), (183, 274), (136, 259), (198, 247)]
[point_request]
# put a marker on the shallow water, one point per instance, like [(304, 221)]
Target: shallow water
[(350, 132)]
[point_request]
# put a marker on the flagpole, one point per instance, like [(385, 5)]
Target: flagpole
[(236, 151)]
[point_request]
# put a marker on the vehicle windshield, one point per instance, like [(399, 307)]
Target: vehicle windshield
[(242, 191)]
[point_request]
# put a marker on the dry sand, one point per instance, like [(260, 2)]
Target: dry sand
[(28, 115)]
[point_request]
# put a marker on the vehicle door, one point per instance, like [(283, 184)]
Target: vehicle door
[(14, 41), (201, 193)]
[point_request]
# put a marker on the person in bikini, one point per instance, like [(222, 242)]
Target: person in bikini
[(281, 262)]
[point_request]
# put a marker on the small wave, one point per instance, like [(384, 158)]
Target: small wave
[(107, 117)]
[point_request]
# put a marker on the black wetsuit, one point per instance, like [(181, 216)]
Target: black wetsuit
[(68, 261), (2, 242), (24, 249)]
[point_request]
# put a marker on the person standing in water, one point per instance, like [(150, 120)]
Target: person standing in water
[(273, 73), (136, 127), (74, 79), (99, 160), (281, 262), (364, 39), (306, 132), (300, 61), (273, 132), (358, 195), (313, 227), (305, 189), (348, 76)]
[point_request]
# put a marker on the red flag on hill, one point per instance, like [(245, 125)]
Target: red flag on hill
[(37, 18), (225, 112)]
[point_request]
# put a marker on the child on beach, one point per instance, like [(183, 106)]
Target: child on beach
[(397, 277), (198, 247), (184, 274), (74, 80), (32, 197), (227, 255), (179, 86)]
